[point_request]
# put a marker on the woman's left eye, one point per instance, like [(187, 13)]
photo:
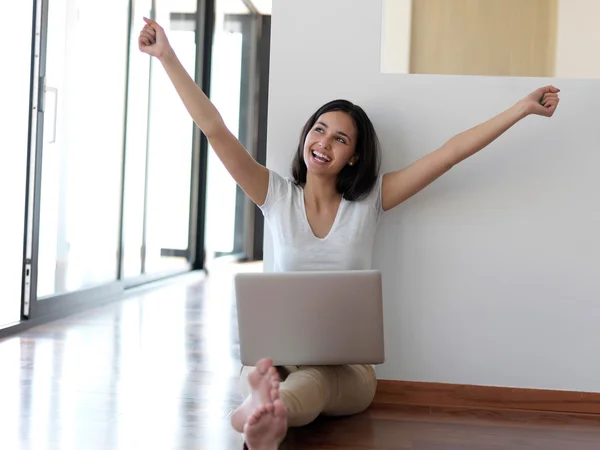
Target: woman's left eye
[(342, 140)]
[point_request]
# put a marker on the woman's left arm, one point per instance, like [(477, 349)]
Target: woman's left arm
[(400, 185)]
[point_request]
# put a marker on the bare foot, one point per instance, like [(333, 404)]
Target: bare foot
[(266, 427), (264, 383)]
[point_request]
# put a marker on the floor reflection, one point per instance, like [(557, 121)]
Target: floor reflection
[(157, 370)]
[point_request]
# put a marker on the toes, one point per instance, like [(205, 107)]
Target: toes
[(250, 424), (274, 378), (264, 365), (256, 415), (279, 408), (269, 408), (274, 393), (251, 421), (273, 374), (262, 369)]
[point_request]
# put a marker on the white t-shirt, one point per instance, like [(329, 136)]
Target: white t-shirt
[(349, 244)]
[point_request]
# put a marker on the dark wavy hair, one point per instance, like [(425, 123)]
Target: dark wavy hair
[(356, 181)]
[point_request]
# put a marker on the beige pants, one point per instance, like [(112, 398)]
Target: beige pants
[(309, 391)]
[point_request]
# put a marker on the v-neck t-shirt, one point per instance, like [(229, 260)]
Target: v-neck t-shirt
[(347, 246)]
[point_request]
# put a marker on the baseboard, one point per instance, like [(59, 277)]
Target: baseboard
[(486, 397)]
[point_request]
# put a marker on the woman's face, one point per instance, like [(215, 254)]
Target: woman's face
[(330, 144)]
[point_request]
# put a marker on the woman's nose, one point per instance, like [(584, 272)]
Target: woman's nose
[(325, 143)]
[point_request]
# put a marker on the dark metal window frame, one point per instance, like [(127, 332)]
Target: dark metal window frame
[(263, 57)]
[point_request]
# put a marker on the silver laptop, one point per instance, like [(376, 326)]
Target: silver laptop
[(310, 318)]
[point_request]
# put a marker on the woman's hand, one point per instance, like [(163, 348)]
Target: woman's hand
[(541, 102), (153, 40), (402, 184)]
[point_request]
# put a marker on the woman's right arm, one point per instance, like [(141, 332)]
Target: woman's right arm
[(252, 177)]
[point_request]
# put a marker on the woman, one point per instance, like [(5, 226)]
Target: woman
[(325, 218)]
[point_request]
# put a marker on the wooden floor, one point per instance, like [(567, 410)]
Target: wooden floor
[(159, 371)]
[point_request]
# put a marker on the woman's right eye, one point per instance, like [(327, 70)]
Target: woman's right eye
[(319, 129)]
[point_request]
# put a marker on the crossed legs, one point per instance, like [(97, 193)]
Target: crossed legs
[(309, 391)]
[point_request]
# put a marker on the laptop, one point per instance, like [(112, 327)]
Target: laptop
[(310, 318)]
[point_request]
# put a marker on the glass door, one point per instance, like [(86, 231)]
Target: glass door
[(229, 213), (170, 145), (159, 148), (14, 142), (82, 145), (100, 160)]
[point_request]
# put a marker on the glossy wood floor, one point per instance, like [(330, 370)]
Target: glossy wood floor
[(159, 371)]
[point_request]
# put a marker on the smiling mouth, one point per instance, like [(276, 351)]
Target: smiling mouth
[(320, 157)]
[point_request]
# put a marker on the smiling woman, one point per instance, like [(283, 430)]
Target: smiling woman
[(325, 218), (343, 132)]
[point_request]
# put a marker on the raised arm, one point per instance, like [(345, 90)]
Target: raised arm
[(252, 177), (403, 184)]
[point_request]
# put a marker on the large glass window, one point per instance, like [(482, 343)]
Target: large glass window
[(115, 147), (14, 120), (227, 208), (83, 144), (170, 140)]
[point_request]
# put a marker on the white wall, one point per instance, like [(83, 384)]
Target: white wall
[(491, 274), (578, 32)]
